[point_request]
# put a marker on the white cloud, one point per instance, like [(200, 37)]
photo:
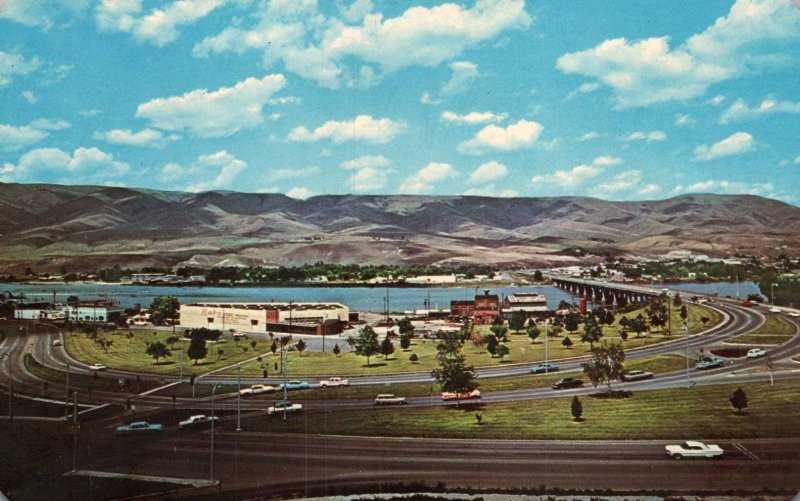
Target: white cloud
[(145, 137), (214, 114), (160, 26), (12, 65), (650, 189), (490, 190), (13, 137), (728, 187), (29, 96), (797, 160), (624, 181), (41, 13), (423, 180), (518, 136), (735, 144), (362, 128), (649, 71), (430, 101), (653, 136), (489, 171), (280, 174), (370, 173), (740, 110), (357, 10), (474, 117), (578, 175), (716, 100), (683, 120), (84, 165), (607, 161), (464, 72), (300, 192), (211, 172), (589, 136), (324, 50)]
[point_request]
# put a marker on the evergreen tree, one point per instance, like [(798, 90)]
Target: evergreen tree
[(577, 408), (387, 347), (739, 400)]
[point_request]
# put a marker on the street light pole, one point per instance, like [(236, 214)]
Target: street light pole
[(180, 343), (66, 396), (546, 335), (688, 371), (772, 293), (239, 397), (211, 463), (284, 361)]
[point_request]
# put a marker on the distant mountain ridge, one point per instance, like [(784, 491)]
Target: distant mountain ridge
[(83, 227)]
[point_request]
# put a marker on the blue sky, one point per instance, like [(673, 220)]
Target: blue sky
[(618, 99)]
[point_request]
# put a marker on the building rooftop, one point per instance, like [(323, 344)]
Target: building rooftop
[(271, 306)]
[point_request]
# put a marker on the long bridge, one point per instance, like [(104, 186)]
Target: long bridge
[(605, 293)]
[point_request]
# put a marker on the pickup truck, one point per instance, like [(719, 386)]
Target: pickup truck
[(334, 381), (198, 420), (284, 405), (694, 449), (256, 389), (389, 399)]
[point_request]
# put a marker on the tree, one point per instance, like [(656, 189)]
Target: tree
[(365, 343), (517, 321), (739, 400), (387, 347), (657, 311), (405, 341), (274, 347), (453, 374), (491, 344), (566, 342), (500, 331), (571, 323), (130, 337), (605, 364), (220, 352), (677, 301), (413, 358), (197, 349), (157, 350), (404, 326), (577, 408), (537, 275), (164, 308), (502, 350), (554, 330), (171, 341), (253, 344), (684, 313), (623, 334), (301, 347), (638, 325), (336, 349), (592, 332), (533, 332)]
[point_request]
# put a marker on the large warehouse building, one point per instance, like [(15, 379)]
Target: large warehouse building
[(303, 318)]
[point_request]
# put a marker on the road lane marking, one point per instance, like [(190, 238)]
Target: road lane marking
[(746, 452)]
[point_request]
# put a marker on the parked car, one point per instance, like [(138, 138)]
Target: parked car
[(693, 449), (390, 399), (139, 427), (57, 342), (544, 368), (256, 389), (198, 420), (636, 375), (284, 405), (709, 363), (447, 395), (756, 352), (334, 381), (567, 382), (97, 367), (295, 385)]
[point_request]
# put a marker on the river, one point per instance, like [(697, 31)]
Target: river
[(356, 298)]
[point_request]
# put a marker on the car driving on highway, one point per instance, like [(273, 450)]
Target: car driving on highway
[(139, 427), (390, 399), (97, 367), (636, 375), (284, 406), (567, 382), (256, 389), (693, 449), (756, 352), (295, 385), (544, 368), (709, 363), (197, 420), (448, 395)]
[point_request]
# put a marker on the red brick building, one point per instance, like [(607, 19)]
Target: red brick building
[(483, 310)]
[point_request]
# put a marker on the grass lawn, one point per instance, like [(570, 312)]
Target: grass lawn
[(82, 382), (130, 354), (702, 412), (776, 330)]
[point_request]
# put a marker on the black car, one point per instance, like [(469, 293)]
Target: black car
[(567, 382)]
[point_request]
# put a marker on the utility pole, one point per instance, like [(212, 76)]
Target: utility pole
[(284, 361), (211, 463), (688, 371), (546, 340), (66, 395), (239, 397), (75, 432)]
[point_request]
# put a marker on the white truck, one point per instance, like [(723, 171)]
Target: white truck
[(694, 449), (334, 381)]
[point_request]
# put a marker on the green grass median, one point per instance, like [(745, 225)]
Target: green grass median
[(699, 412), (776, 330)]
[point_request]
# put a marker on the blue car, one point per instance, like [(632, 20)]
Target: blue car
[(139, 427), (709, 363), (295, 385), (543, 368)]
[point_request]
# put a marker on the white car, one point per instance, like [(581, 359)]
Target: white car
[(256, 389), (389, 399), (775, 310), (334, 381), (284, 405), (694, 449), (97, 367), (636, 375), (197, 420), (794, 314), (756, 352)]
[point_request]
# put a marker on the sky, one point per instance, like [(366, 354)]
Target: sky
[(614, 99)]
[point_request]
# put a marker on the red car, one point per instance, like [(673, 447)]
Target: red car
[(447, 395)]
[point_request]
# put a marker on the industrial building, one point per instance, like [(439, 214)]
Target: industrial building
[(530, 303), (483, 310), (83, 311), (304, 318)]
